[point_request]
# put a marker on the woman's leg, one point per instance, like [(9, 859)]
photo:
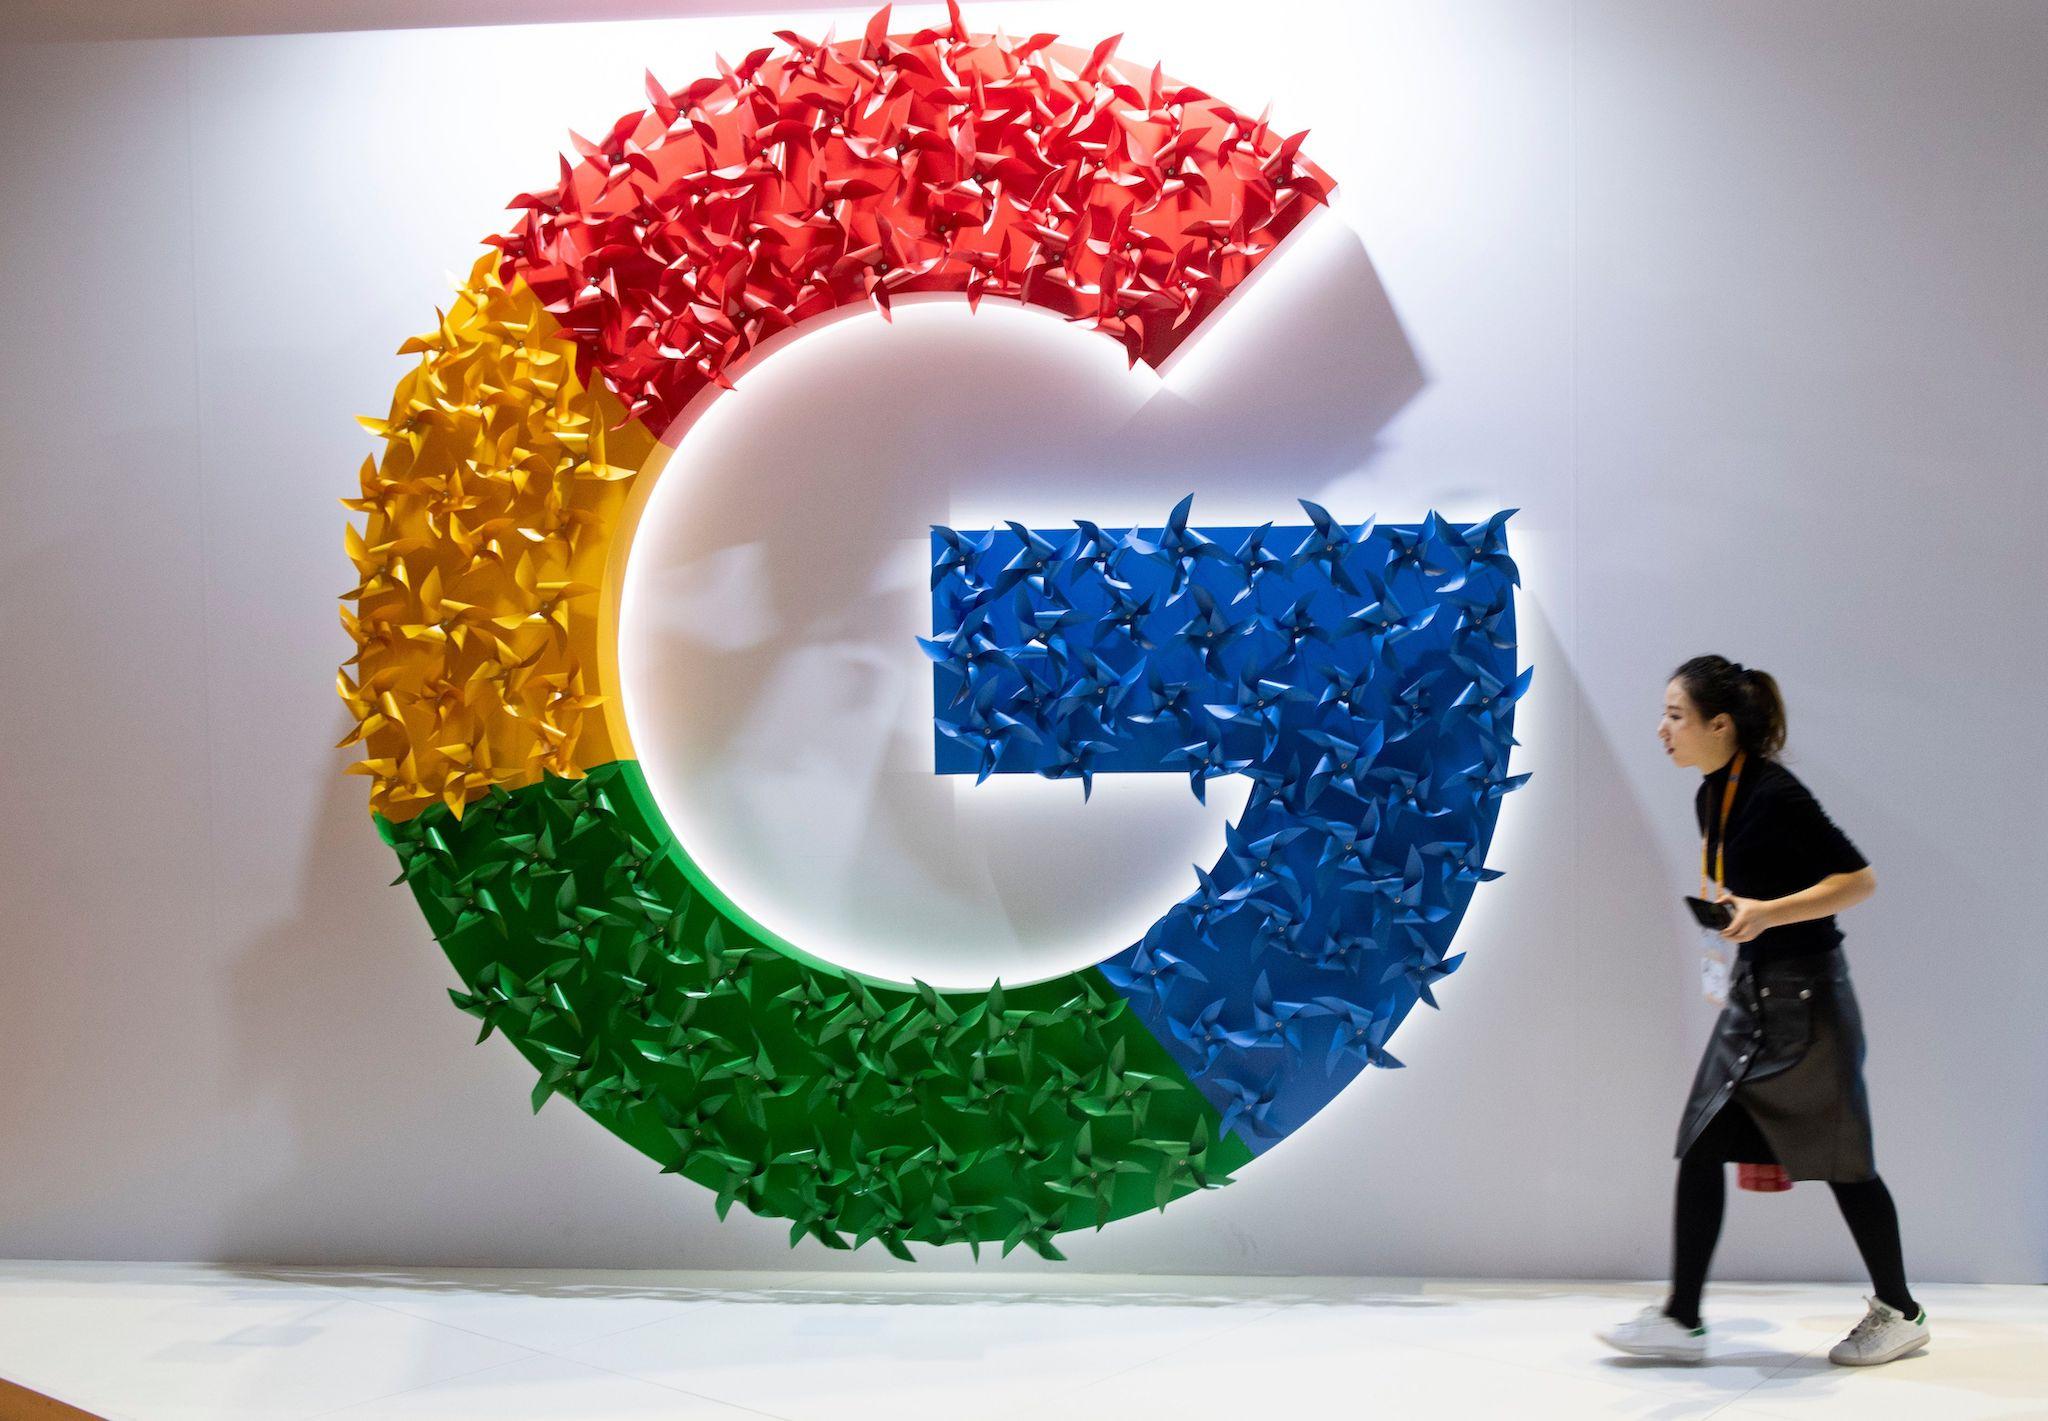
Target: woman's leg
[(1874, 1222), (1695, 1226)]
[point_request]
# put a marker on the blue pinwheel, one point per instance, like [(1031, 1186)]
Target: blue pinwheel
[(1170, 699), (1091, 554), (1251, 1103), (1421, 971), (1206, 760), (1344, 764), (1256, 561), (1260, 701), (958, 554), (1261, 862), (1208, 1035), (1328, 544), (1467, 861), (1483, 618), (1177, 546), (1358, 1031), (1293, 625), (1126, 616), (1211, 631), (1030, 565), (1151, 969), (1210, 902)]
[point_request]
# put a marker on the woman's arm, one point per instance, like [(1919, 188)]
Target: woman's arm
[(1831, 895)]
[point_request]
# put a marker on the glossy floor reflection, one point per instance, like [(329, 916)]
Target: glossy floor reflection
[(150, 1341)]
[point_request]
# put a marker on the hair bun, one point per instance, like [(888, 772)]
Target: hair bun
[(1720, 686)]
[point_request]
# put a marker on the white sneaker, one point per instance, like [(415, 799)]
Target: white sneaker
[(1652, 1333), (1884, 1335)]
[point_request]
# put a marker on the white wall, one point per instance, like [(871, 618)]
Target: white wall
[(1740, 303)]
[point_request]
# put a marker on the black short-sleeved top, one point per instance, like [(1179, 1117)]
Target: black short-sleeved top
[(1780, 841)]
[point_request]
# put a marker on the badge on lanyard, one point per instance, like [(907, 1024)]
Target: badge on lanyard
[(1717, 968)]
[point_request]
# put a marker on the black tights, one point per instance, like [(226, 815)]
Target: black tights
[(1696, 1226)]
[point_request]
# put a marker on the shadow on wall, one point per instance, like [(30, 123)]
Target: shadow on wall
[(343, 1071), (1289, 383), (781, 565), (803, 479)]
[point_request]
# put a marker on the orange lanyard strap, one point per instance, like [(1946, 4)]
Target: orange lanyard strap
[(1718, 868)]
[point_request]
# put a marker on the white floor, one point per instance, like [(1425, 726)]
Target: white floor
[(150, 1341)]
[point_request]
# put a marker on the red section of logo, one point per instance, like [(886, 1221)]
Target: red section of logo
[(801, 181)]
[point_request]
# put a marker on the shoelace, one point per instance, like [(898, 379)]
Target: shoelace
[(1872, 1320)]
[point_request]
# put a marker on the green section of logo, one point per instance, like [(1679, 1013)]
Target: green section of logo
[(856, 1109)]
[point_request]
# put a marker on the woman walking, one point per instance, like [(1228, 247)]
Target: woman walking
[(1781, 1081)]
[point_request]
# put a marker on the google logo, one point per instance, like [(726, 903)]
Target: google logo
[(1361, 676)]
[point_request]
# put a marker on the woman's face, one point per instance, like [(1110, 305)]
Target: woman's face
[(1689, 739)]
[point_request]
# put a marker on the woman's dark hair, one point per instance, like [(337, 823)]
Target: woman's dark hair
[(1745, 695)]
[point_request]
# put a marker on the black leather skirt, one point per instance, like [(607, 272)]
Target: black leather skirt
[(1788, 1049)]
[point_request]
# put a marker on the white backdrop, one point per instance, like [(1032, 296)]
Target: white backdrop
[(1741, 304)]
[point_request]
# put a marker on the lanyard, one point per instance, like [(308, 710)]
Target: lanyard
[(1719, 865)]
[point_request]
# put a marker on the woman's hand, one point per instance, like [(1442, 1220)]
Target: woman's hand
[(1752, 916)]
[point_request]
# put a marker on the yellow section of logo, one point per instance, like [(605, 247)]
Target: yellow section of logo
[(489, 520)]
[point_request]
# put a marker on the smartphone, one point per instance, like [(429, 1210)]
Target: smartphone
[(1710, 914)]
